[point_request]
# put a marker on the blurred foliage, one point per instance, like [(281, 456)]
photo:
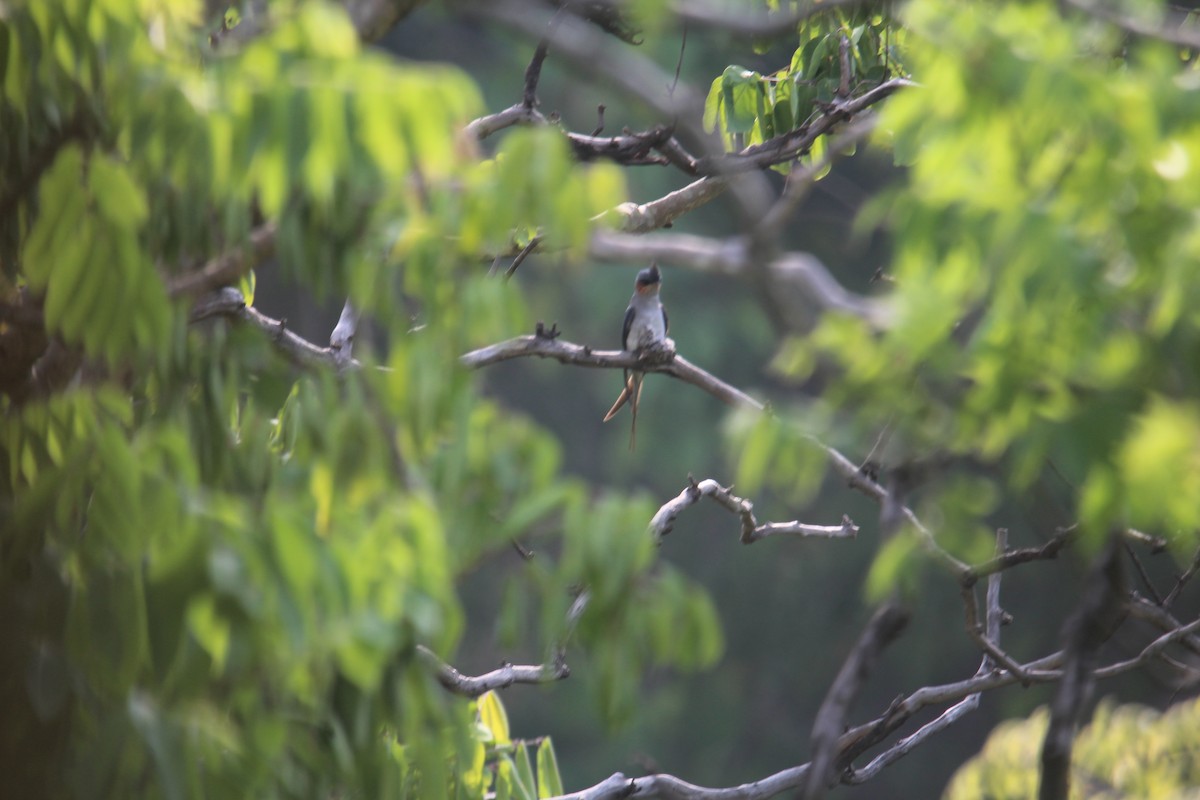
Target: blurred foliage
[(215, 575), (1125, 751), (1042, 307)]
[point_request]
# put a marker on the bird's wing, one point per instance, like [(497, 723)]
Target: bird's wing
[(666, 321), (629, 312)]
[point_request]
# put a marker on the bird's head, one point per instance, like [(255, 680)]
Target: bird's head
[(648, 280)]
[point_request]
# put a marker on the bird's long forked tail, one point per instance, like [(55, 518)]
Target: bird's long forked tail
[(631, 393)]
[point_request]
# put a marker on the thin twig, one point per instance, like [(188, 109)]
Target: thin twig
[(1141, 570), (977, 630), (994, 616), (532, 74), (505, 676), (664, 519), (679, 62), (521, 256), (230, 304), (1089, 627), (1011, 558), (1182, 580)]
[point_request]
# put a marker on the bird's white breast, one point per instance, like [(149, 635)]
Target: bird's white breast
[(647, 327)]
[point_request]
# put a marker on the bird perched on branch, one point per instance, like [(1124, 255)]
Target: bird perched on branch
[(645, 326)]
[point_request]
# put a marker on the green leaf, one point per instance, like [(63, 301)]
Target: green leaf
[(118, 198), (524, 782), (712, 103), (740, 88), (246, 285), (494, 717), (69, 269), (294, 551), (106, 631), (210, 629), (549, 781)]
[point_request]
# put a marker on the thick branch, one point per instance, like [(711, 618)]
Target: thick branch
[(671, 788), (501, 678), (1088, 628), (862, 737), (580, 355), (518, 114), (227, 267), (1177, 35), (800, 271), (884, 627), (664, 520), (643, 217), (791, 145), (756, 25)]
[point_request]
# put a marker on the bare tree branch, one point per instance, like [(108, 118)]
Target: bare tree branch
[(518, 114), (521, 256), (1023, 555), (374, 18), (662, 360), (1088, 628), (801, 179), (862, 737), (857, 479), (639, 218), (1143, 609), (994, 615), (501, 678), (1173, 32), (572, 39), (533, 74), (1182, 580), (884, 627), (229, 303), (1157, 544), (799, 271), (977, 630), (228, 266), (757, 25), (663, 520)]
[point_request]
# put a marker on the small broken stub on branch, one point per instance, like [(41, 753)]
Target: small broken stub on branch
[(549, 334)]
